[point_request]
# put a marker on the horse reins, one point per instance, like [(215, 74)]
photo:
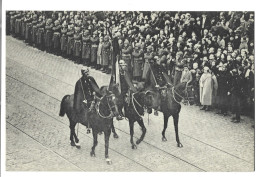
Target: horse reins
[(174, 91), (133, 99), (104, 117)]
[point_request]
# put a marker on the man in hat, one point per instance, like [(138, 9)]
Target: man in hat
[(125, 85), (56, 37), (138, 62), (237, 92), (126, 55), (40, 32), (88, 86), (94, 48), (149, 60), (64, 39), (106, 54), (48, 35), (70, 41), (34, 29), (178, 68), (77, 45), (157, 74), (86, 47)]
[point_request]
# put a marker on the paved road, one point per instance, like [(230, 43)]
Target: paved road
[(37, 139)]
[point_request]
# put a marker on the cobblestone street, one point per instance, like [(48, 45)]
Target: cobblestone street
[(37, 139)]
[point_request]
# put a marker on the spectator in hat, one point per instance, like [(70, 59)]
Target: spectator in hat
[(149, 60), (237, 91), (138, 62), (206, 89)]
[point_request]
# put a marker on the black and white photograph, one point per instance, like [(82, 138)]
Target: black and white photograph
[(111, 89)]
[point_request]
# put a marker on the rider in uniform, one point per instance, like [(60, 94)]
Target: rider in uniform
[(88, 85), (156, 76), (126, 85)]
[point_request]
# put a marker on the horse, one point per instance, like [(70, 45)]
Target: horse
[(167, 100), (134, 107), (100, 119)]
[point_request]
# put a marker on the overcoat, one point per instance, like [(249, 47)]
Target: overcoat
[(206, 89)]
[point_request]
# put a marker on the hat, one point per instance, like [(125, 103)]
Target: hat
[(149, 48), (122, 63), (84, 70), (206, 68), (138, 45), (126, 42)]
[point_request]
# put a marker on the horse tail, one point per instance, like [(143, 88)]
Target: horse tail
[(62, 106)]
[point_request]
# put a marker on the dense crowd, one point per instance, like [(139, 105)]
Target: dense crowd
[(213, 52)]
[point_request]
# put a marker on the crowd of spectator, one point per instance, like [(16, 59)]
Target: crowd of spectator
[(213, 52)]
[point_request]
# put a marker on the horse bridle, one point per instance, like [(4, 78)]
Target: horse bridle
[(110, 116)]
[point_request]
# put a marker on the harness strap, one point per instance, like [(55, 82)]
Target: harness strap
[(97, 108), (133, 98), (152, 74)]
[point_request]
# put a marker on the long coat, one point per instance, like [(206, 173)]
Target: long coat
[(126, 56), (138, 62), (84, 89), (48, 36), (77, 45), (86, 47), (99, 54), (206, 89), (94, 47), (56, 36), (149, 60), (70, 43), (106, 53), (63, 40)]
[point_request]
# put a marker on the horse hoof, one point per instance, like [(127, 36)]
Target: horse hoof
[(72, 144), (92, 154), (134, 146), (116, 136), (109, 161), (77, 145), (164, 139), (138, 141), (179, 145)]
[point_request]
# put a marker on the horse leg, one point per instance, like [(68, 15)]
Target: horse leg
[(95, 142), (166, 118), (176, 121), (72, 129), (107, 135), (131, 126), (114, 131), (141, 123), (76, 138)]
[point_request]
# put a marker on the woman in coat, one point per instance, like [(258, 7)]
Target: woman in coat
[(206, 89)]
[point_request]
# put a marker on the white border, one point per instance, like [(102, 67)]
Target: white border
[(116, 5)]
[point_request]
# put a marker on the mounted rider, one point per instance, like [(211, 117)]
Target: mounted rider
[(156, 76), (125, 85), (88, 86)]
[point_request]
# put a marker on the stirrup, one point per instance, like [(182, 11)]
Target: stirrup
[(88, 131)]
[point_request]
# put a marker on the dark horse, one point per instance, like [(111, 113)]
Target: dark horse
[(168, 100), (100, 119), (134, 107)]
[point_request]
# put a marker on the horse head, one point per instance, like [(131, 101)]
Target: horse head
[(152, 99), (109, 101)]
